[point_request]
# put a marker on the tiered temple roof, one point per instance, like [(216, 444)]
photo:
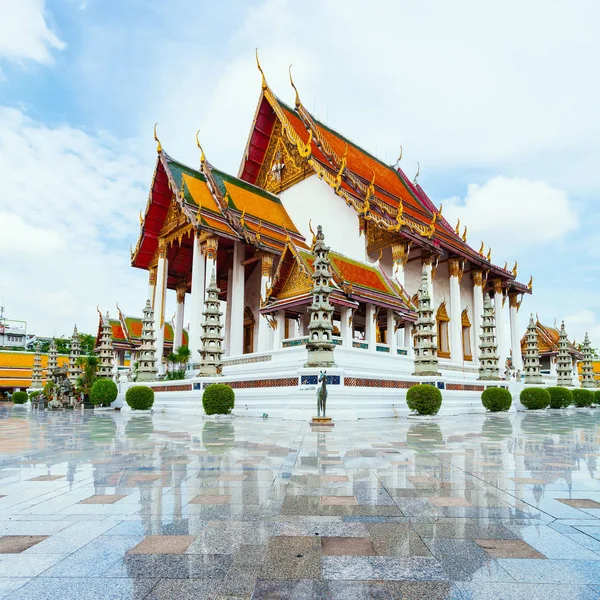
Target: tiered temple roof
[(548, 338)]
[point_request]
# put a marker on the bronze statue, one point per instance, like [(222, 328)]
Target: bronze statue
[(322, 394)]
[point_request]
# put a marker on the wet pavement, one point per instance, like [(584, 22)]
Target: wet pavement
[(114, 505)]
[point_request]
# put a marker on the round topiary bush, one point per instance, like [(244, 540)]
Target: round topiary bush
[(103, 392), (496, 399), (597, 397), (560, 397), (140, 397), (218, 399), (535, 398), (20, 397), (582, 398), (424, 399)]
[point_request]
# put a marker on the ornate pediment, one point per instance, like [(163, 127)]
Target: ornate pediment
[(298, 282), (176, 224)]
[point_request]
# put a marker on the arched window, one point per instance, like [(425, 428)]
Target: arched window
[(248, 331), (443, 342), (466, 335)]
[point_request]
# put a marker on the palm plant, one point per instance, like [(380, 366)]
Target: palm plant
[(89, 364), (179, 359)]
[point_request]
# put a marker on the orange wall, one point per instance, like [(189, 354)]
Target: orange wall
[(16, 368)]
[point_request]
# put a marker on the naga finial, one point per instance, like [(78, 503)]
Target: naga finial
[(202, 155), (242, 219), (514, 269), (417, 173), (505, 267), (439, 212), (297, 101), (457, 228), (481, 248), (464, 235), (489, 255), (530, 284), (264, 80), (314, 235), (158, 144), (399, 156)]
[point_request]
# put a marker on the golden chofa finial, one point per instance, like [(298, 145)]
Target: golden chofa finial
[(505, 267), (514, 269), (439, 212), (530, 284), (202, 156), (464, 235), (297, 102), (399, 157), (481, 248), (417, 174), (457, 228), (264, 81), (314, 235), (158, 145), (489, 255), (141, 218)]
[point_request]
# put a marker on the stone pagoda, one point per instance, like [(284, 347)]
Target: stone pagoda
[(52, 359), (320, 328), (426, 358), (212, 336), (75, 369), (489, 368), (105, 350), (146, 355), (36, 376), (587, 367), (564, 363), (531, 364)]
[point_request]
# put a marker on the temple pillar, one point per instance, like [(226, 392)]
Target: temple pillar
[(477, 313), (501, 324), (515, 333), (151, 285), (236, 325), (160, 301), (264, 329), (400, 252), (427, 267), (371, 326), (279, 329), (196, 299), (211, 245), (408, 341), (456, 350), (346, 327), (227, 340), (181, 289), (305, 321), (391, 337)]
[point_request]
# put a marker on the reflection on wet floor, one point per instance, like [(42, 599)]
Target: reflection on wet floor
[(111, 505)]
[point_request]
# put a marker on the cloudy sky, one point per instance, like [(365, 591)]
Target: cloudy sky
[(498, 101)]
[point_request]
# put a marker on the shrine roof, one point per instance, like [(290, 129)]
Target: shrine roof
[(548, 338)]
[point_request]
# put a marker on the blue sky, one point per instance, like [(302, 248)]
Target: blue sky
[(497, 101)]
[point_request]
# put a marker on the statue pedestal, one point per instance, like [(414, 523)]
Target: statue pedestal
[(322, 422)]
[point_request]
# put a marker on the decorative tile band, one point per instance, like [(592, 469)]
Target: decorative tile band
[(382, 348), (361, 345), (245, 361), (314, 380), (402, 351), (254, 383), (378, 383), (172, 388), (465, 387), (294, 342)]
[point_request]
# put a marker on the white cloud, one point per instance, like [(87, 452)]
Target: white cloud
[(578, 323), (69, 210), (24, 32)]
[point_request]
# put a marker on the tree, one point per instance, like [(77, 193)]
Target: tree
[(89, 364), (177, 362)]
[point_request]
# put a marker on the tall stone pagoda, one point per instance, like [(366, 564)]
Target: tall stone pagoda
[(531, 364), (52, 359), (564, 362), (426, 358), (36, 376), (146, 355), (212, 336), (489, 368), (105, 350), (320, 328), (75, 370), (587, 367)]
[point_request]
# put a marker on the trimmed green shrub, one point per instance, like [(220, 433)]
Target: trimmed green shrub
[(560, 397), (424, 399), (582, 398), (496, 399), (20, 397), (597, 397), (140, 397), (103, 392), (535, 398), (218, 399), (35, 394)]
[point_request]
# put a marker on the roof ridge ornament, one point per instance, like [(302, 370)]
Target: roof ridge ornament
[(158, 144), (399, 157), (417, 173), (464, 235), (202, 155), (457, 228), (514, 269), (297, 101), (314, 235), (264, 80), (481, 248)]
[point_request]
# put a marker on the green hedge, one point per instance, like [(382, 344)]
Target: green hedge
[(597, 397), (218, 399), (535, 398), (20, 397), (496, 399), (424, 399), (140, 397), (560, 397), (103, 392), (583, 398)]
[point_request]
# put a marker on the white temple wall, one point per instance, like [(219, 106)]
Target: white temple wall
[(441, 287), (312, 199), (412, 276), (252, 298), (466, 301)]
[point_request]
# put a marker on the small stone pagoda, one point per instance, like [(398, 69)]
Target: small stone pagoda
[(52, 359), (36, 376), (75, 369), (531, 363), (212, 336), (146, 355), (489, 368), (587, 367), (564, 362), (105, 350), (426, 358), (320, 328)]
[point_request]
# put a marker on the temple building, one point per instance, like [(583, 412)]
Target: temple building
[(16, 369), (256, 231)]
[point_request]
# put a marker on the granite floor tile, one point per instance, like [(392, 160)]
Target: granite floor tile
[(173, 566), (103, 499), (27, 565), (184, 589), (573, 572), (423, 590), (211, 499), (47, 478), (308, 589), (14, 544), (579, 502), (10, 584), (382, 568), (525, 591), (347, 546), (292, 557), (163, 544), (338, 501), (508, 549)]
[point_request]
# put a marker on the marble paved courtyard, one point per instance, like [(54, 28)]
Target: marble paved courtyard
[(108, 505)]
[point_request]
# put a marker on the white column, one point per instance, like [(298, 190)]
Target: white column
[(196, 300), (370, 327), (515, 333), (501, 325), (477, 313), (392, 339), (152, 285), (236, 327), (305, 322), (346, 327), (400, 256), (160, 302), (456, 350), (178, 339), (408, 340), (264, 330), (227, 339), (210, 250), (428, 268), (279, 330)]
